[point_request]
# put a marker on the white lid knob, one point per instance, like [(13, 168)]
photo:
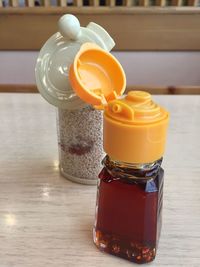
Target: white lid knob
[(69, 26)]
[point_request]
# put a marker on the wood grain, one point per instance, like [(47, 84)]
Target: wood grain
[(167, 90), (110, 3), (94, 3), (46, 220), (62, 3), (128, 3), (163, 90), (46, 3), (144, 3), (30, 3), (78, 3), (14, 3), (161, 2), (177, 2), (133, 28), (193, 2), (18, 88)]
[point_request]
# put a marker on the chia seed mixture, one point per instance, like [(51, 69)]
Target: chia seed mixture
[(80, 140)]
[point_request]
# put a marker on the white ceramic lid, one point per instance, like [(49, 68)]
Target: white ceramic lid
[(57, 55)]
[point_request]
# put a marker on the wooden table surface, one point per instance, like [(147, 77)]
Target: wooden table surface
[(46, 220)]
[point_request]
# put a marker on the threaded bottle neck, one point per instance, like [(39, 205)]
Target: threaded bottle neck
[(135, 171)]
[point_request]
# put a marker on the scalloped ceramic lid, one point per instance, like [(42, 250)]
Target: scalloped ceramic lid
[(58, 53)]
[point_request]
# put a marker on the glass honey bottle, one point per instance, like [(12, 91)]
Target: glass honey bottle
[(129, 209), (130, 188)]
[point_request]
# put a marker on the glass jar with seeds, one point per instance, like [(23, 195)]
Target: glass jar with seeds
[(80, 143)]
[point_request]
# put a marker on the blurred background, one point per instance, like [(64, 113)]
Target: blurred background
[(157, 42)]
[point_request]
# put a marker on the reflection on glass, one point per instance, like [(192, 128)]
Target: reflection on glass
[(56, 165)]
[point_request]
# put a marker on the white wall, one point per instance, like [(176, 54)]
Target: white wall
[(142, 68)]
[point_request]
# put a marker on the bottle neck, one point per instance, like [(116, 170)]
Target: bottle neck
[(134, 171)]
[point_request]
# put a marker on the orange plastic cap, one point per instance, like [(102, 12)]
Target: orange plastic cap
[(96, 76), (135, 129)]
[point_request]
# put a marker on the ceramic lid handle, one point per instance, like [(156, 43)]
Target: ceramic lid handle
[(69, 26)]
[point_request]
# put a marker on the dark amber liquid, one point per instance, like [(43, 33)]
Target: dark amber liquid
[(128, 216)]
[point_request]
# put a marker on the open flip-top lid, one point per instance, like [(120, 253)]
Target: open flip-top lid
[(96, 76)]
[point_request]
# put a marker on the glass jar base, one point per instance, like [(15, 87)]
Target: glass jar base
[(129, 250), (77, 179)]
